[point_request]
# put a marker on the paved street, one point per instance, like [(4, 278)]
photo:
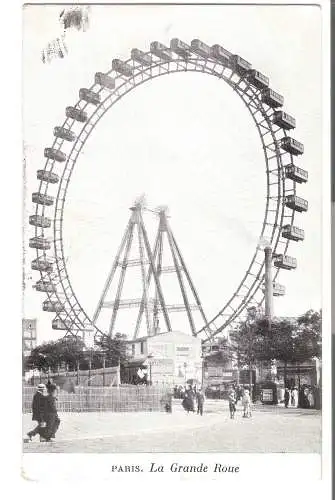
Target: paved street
[(270, 430)]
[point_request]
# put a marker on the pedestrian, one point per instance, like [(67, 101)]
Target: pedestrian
[(287, 396), (200, 401), (51, 416), (188, 401), (38, 411), (246, 402), (238, 393), (294, 397), (192, 397), (232, 398), (310, 398)]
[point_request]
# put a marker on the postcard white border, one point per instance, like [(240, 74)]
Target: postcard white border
[(267, 474)]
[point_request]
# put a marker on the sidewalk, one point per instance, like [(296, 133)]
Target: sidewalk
[(275, 430), (106, 424), (96, 425), (222, 405)]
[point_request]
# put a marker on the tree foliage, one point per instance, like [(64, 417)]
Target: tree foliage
[(69, 350), (222, 354), (309, 335), (72, 352), (287, 340), (114, 348)]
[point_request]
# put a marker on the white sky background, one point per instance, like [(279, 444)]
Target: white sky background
[(187, 141)]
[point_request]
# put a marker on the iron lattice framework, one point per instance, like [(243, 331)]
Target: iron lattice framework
[(152, 269), (85, 115)]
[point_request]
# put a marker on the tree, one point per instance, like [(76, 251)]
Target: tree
[(45, 356), (222, 354), (289, 341), (248, 342), (308, 335), (71, 351), (114, 348), (247, 339), (49, 355), (294, 340), (279, 343)]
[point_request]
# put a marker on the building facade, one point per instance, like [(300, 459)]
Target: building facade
[(29, 336), (170, 358)]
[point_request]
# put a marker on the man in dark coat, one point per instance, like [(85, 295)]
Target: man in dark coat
[(51, 417), (38, 410), (200, 401), (287, 396)]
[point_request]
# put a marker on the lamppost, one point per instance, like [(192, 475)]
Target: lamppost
[(202, 370), (78, 375), (89, 364), (150, 357), (89, 367), (89, 343), (103, 368)]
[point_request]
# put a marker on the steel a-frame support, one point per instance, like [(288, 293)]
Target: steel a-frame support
[(181, 270), (189, 279), (122, 277), (179, 267), (159, 301), (112, 271), (156, 278), (122, 258), (180, 278)]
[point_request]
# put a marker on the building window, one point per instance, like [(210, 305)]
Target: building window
[(133, 349), (142, 347)]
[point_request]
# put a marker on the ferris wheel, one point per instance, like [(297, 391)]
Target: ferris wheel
[(281, 170)]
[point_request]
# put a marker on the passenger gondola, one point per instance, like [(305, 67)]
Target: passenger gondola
[(295, 173)]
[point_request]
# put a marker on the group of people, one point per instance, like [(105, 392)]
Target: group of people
[(291, 397), (193, 397), (44, 412), (306, 397), (234, 396)]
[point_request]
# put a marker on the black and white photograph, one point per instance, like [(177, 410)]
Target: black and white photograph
[(172, 231)]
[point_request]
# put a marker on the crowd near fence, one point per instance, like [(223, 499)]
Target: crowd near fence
[(113, 399)]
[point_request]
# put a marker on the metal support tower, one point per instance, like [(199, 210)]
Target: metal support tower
[(151, 264), (178, 267), (134, 228)]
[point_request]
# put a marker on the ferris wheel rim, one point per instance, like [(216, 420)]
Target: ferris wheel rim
[(59, 143)]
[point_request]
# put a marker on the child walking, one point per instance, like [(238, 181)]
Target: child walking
[(232, 403), (246, 402)]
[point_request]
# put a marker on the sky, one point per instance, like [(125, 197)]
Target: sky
[(184, 140)]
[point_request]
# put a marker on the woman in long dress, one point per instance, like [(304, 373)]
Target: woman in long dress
[(51, 416), (188, 401)]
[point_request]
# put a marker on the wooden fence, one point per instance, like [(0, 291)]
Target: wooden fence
[(114, 399)]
